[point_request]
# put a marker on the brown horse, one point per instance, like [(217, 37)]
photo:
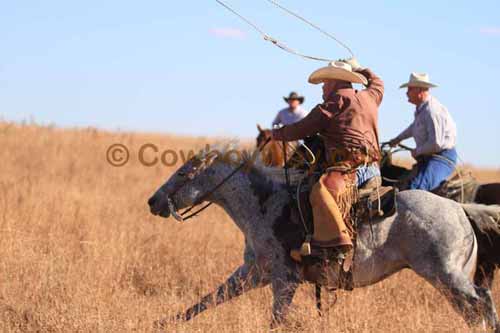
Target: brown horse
[(307, 156), (273, 154)]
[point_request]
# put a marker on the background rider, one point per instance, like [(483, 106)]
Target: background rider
[(291, 114), (434, 132)]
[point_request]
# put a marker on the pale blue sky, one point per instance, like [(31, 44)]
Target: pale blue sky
[(191, 67)]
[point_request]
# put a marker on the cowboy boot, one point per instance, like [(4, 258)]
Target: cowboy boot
[(331, 242)]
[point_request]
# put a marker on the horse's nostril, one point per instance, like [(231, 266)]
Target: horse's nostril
[(151, 201)]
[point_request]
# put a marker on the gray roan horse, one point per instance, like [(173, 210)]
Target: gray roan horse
[(428, 234)]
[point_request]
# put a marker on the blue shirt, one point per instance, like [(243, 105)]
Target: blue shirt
[(287, 117), (433, 128)]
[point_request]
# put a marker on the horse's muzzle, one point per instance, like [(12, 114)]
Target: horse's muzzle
[(159, 205), (162, 205)]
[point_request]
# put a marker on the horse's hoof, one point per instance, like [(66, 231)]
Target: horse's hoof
[(180, 317), (160, 324)]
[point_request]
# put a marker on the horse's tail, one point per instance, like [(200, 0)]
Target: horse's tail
[(485, 221)]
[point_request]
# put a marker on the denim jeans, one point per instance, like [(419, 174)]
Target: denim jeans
[(433, 170), (365, 173)]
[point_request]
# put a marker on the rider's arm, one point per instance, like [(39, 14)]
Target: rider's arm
[(314, 122), (375, 87), (277, 120), (406, 134)]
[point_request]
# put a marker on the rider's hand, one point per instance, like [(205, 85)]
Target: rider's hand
[(355, 65), (394, 142)]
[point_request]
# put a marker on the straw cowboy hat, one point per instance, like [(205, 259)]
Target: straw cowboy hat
[(337, 70), (293, 95), (419, 80)]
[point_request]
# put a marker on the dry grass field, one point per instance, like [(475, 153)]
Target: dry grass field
[(80, 252)]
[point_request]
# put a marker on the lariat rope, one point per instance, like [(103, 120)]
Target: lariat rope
[(307, 149), (280, 44), (312, 25)]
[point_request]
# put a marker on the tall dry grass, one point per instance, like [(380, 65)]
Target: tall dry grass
[(79, 250)]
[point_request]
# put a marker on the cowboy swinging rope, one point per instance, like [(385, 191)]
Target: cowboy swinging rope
[(280, 44)]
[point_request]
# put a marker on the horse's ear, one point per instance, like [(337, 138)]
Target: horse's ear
[(259, 128), (210, 157)]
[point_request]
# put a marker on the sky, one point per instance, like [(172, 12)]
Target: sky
[(193, 68)]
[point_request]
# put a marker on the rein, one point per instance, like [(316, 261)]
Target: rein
[(182, 217), (285, 166), (404, 147)]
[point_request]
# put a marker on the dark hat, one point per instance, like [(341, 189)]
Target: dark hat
[(293, 95)]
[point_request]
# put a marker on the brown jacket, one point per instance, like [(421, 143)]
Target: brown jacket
[(347, 119)]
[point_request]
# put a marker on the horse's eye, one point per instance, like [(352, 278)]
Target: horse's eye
[(181, 174)]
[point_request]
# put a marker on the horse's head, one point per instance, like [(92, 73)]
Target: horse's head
[(185, 187), (264, 136)]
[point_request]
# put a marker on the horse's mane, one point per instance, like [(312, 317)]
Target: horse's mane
[(276, 174), (227, 154)]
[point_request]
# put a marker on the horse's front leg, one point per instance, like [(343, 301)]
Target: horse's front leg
[(245, 278), (284, 285)]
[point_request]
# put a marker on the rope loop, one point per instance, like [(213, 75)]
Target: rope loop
[(276, 42)]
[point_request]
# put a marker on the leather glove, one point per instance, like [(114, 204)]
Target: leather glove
[(355, 65)]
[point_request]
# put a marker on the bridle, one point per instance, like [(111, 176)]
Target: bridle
[(187, 213)]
